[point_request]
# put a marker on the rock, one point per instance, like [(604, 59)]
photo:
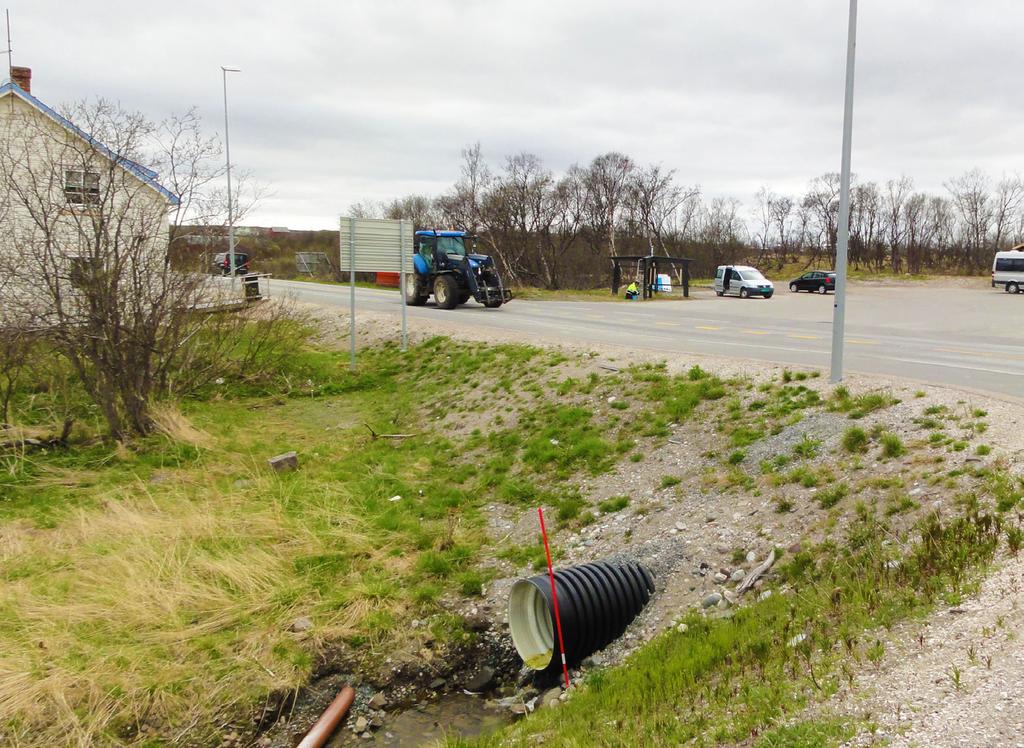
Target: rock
[(376, 722), (795, 548), (751, 557), (361, 724), (477, 622), (550, 697), (721, 577), (518, 709), (300, 624), (681, 628), (724, 602), (482, 681), (711, 600), (738, 575), (437, 684), (973, 459), (681, 527), (284, 462), (242, 483), (765, 595), (378, 701)]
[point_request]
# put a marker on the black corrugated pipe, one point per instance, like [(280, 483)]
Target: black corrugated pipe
[(596, 602)]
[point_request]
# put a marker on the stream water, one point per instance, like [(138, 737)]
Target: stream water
[(427, 723)]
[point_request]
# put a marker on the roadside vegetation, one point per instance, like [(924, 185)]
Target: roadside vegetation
[(168, 584), (874, 555)]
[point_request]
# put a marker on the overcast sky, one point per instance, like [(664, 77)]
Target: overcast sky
[(371, 99)]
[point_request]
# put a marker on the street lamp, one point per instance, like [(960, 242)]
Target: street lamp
[(843, 238), (227, 153)]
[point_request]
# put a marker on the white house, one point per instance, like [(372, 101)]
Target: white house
[(69, 194)]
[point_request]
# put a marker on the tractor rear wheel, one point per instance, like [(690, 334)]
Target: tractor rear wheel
[(446, 292), (415, 295)]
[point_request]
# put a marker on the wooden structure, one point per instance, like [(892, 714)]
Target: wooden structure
[(645, 269)]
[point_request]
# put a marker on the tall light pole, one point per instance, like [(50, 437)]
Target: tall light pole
[(843, 238), (227, 152)]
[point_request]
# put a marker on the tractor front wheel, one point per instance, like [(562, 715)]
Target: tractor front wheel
[(493, 303), (446, 292)]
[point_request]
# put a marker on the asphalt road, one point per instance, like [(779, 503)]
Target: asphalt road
[(970, 337)]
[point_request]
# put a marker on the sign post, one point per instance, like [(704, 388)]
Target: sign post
[(373, 245)]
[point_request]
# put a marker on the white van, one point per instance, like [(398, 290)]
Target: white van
[(742, 281), (1008, 269)]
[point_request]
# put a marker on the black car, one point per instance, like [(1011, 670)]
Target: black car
[(817, 280), (222, 263)]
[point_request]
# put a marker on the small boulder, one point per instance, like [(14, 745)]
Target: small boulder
[(482, 681), (284, 462), (721, 577), (378, 701), (738, 575), (437, 684), (711, 600), (361, 724), (300, 624), (551, 696)]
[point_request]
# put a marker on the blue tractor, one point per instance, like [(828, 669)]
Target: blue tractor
[(446, 266)]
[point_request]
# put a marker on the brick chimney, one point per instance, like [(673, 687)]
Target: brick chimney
[(22, 77)]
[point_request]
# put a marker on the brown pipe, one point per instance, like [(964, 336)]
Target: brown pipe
[(329, 720)]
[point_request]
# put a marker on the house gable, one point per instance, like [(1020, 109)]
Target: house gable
[(146, 176)]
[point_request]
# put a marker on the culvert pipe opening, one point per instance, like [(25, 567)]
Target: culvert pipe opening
[(530, 622), (596, 602)]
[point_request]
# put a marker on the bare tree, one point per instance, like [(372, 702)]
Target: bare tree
[(87, 234), (608, 180)]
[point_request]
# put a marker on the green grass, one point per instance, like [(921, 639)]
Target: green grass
[(892, 445), (614, 504), (860, 405), (855, 439), (737, 680)]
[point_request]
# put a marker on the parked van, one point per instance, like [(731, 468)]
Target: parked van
[(742, 281), (1008, 269)]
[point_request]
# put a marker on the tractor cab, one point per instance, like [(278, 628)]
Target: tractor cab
[(439, 249), (446, 265)]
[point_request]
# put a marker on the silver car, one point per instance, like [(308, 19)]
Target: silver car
[(743, 281)]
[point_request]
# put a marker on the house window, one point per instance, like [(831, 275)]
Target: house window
[(81, 187)]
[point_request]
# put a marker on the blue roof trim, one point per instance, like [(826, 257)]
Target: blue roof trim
[(148, 176)]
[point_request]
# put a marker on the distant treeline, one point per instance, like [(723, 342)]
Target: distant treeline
[(559, 231)]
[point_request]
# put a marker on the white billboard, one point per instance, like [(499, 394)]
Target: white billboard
[(376, 245)]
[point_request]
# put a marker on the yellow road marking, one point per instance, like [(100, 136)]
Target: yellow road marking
[(667, 324), (757, 332), (803, 337), (707, 327), (982, 354), (861, 342)]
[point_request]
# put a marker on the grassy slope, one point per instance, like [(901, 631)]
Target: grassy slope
[(748, 677), (150, 591)]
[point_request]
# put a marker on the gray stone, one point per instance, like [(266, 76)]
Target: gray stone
[(751, 557), (550, 697), (284, 462), (721, 577), (437, 683), (738, 575), (711, 600), (724, 602), (378, 701), (361, 724), (482, 681), (300, 624)]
